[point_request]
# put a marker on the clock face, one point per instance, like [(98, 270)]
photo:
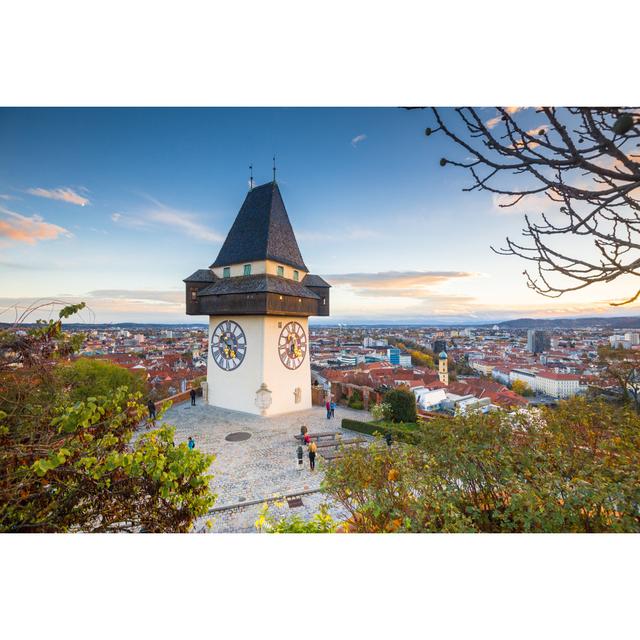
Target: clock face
[(292, 345), (228, 345)]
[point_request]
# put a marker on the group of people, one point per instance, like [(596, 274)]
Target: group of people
[(331, 409), (312, 448)]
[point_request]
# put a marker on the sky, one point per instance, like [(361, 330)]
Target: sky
[(116, 206)]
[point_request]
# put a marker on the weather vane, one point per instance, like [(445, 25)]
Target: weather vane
[(251, 177), (274, 168)]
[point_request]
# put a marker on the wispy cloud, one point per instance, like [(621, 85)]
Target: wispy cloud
[(153, 295), (396, 284), (65, 194), (6, 196), (492, 122), (185, 222), (16, 227), (359, 138), (161, 215)]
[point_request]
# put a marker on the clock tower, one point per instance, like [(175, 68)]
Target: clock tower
[(259, 295)]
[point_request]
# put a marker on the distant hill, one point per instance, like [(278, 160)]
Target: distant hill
[(620, 322)]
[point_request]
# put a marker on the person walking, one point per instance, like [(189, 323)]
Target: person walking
[(300, 453), (151, 405), (328, 407), (313, 448), (192, 393), (333, 409), (191, 444)]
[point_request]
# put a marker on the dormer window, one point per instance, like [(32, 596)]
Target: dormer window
[(247, 269), (226, 272), (281, 271), (296, 275)]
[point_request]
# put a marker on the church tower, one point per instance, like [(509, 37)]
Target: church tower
[(258, 295), (443, 368)]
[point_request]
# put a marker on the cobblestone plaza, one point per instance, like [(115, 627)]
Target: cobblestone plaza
[(259, 467)]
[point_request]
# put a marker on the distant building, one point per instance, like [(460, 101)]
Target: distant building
[(549, 383), (558, 385), (374, 342), (393, 355), (537, 341), (430, 399), (351, 359), (404, 360), (618, 341)]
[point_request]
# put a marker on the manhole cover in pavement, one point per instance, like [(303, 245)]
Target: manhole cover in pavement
[(238, 436)]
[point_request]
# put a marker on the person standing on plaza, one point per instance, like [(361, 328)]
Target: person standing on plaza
[(151, 405), (333, 409), (191, 444), (313, 448), (192, 393), (300, 453), (328, 407)]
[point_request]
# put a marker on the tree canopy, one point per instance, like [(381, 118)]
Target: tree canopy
[(400, 405), (572, 469), (91, 377), (91, 464)]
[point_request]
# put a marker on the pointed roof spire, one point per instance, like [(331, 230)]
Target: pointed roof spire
[(274, 168), (261, 231), (251, 177)]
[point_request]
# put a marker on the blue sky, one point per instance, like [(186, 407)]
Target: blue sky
[(117, 206)]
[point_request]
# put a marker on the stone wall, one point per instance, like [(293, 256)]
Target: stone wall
[(178, 398)]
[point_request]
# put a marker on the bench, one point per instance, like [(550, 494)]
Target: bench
[(337, 443), (317, 436)]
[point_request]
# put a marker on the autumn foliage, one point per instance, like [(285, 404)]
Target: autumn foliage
[(92, 464), (571, 469)]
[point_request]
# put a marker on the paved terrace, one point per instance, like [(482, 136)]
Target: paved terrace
[(261, 466)]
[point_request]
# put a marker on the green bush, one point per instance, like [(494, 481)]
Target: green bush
[(399, 432), (89, 377), (402, 405)]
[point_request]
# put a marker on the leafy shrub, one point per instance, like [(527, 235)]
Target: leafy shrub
[(399, 432), (572, 469), (70, 463), (321, 522), (378, 411), (91, 377), (355, 401), (402, 405)]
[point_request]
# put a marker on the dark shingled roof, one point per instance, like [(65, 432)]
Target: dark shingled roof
[(261, 231), (311, 280), (261, 283), (202, 275)]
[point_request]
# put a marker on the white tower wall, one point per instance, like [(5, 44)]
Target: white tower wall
[(237, 389)]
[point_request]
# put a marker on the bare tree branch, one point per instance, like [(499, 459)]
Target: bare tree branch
[(585, 160)]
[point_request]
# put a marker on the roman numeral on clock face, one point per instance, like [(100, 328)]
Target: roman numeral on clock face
[(228, 345), (292, 345)]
